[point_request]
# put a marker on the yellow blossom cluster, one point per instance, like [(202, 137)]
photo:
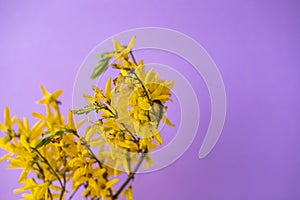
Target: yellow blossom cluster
[(55, 157)]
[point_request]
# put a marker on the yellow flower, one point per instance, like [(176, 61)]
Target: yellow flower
[(8, 121), (120, 51), (38, 191), (51, 121), (29, 136), (50, 99)]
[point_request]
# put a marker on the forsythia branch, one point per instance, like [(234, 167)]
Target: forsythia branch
[(56, 154)]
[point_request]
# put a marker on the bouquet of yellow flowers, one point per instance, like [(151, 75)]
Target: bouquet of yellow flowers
[(58, 160)]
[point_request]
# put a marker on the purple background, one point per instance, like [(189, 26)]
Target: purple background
[(256, 46)]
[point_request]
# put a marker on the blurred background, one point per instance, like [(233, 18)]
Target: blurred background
[(255, 45)]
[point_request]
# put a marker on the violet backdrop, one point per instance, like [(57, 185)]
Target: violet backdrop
[(255, 45)]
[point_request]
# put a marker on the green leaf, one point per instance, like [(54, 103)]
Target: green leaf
[(107, 128), (102, 55), (48, 139), (60, 132), (100, 68), (81, 111), (44, 142)]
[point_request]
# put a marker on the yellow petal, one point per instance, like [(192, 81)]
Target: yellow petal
[(2, 127), (44, 91), (126, 167), (7, 120), (130, 45), (93, 184), (56, 94), (5, 156), (15, 163), (143, 103), (158, 138), (89, 133), (78, 174), (86, 192), (71, 121), (161, 97), (38, 115), (76, 162), (140, 70), (28, 185), (24, 174), (80, 123), (149, 76), (88, 98), (108, 88), (129, 194), (117, 46), (110, 183), (55, 188), (167, 121)]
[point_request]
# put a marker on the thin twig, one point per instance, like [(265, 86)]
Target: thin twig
[(44, 178), (141, 82), (133, 58), (64, 175), (94, 157), (144, 88), (130, 133), (130, 176), (74, 192), (53, 171)]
